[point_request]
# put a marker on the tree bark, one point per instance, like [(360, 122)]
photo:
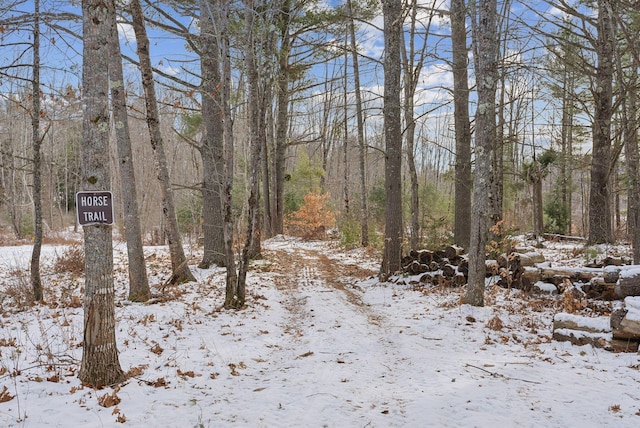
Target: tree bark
[(36, 281), (462, 215), (234, 292), (212, 146), (138, 282), (392, 11), (412, 61), (100, 365), (362, 151), (600, 227), (282, 116), (180, 269), (485, 54)]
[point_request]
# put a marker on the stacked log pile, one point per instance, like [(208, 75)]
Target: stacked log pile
[(450, 267), (610, 279)]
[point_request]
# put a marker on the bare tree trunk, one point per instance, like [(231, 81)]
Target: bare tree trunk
[(212, 146), (181, 272), (600, 227), (280, 150), (36, 282), (235, 291), (100, 365), (566, 140), (138, 282), (630, 135), (364, 210), (392, 11), (462, 215), (535, 178), (345, 146), (409, 86), (282, 113), (485, 54), (232, 288)]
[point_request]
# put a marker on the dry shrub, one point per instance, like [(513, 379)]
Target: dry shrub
[(313, 218), (71, 261), (495, 323), (19, 290), (572, 299)]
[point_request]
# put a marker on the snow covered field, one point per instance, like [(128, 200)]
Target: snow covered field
[(320, 344)]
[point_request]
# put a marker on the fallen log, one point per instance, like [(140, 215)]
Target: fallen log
[(625, 323), (527, 259), (557, 275), (628, 283)]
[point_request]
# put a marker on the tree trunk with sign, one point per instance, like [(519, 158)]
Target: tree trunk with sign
[(100, 365)]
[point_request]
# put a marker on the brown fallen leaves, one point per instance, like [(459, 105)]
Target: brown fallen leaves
[(5, 396)]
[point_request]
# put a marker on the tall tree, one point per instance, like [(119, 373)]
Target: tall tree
[(138, 282), (392, 11), (600, 221), (412, 61), (462, 215), (212, 146), (485, 52), (362, 148), (36, 281), (236, 286), (100, 365), (235, 292), (180, 269)]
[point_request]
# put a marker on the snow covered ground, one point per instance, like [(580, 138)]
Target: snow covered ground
[(320, 344)]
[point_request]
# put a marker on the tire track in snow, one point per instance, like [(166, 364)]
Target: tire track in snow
[(322, 305)]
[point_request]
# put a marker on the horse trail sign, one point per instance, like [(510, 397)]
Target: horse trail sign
[(94, 208)]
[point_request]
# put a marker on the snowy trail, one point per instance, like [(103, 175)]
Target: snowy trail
[(317, 345)]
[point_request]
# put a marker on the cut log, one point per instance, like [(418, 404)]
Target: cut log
[(416, 268), (615, 261), (449, 270), (582, 330), (628, 283), (427, 279), (557, 237), (557, 275), (599, 288), (439, 255), (425, 257), (567, 321), (528, 259), (452, 252)]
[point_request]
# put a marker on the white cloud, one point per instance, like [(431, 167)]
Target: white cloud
[(126, 33)]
